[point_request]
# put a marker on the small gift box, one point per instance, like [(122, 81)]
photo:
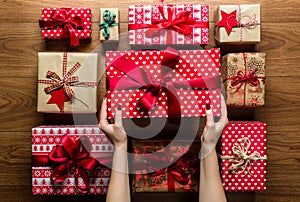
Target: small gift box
[(167, 83), (109, 24), (161, 168), (70, 160), (67, 82), (244, 79), (60, 23), (168, 24), (244, 150), (238, 23)]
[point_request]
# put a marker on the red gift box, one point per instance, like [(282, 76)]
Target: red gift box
[(69, 160), (167, 83), (179, 162), (244, 146), (168, 24), (60, 23)]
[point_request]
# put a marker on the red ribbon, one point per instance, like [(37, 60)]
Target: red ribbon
[(69, 157), (181, 23), (62, 18), (138, 78)]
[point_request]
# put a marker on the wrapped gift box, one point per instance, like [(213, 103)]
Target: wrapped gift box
[(162, 168), (109, 24), (238, 23), (244, 150), (60, 23), (67, 82), (244, 79), (52, 174), (149, 24), (167, 83)]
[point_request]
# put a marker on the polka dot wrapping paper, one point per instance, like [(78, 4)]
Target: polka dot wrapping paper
[(244, 157), (190, 66), (48, 139)]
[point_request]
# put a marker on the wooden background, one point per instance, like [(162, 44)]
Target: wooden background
[(20, 40)]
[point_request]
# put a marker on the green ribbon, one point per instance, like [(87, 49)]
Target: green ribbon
[(109, 21)]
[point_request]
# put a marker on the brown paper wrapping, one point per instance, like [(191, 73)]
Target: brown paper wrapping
[(239, 35), (85, 97), (255, 95), (114, 30)]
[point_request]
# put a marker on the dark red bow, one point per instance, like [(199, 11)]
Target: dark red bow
[(69, 157), (138, 78), (240, 79), (62, 18), (181, 23)]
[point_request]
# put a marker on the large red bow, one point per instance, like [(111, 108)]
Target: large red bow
[(242, 79), (181, 23), (138, 78), (62, 18), (67, 158)]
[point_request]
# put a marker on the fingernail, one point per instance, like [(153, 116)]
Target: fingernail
[(208, 107), (119, 107), (105, 96)]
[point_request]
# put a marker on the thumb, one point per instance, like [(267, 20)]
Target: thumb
[(118, 117)]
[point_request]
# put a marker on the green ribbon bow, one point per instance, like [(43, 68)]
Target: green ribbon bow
[(109, 21)]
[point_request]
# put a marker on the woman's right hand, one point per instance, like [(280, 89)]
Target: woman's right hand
[(114, 131)]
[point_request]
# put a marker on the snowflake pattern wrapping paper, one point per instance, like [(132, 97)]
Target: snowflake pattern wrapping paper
[(61, 23), (244, 79), (147, 15), (244, 156), (192, 67), (48, 139)]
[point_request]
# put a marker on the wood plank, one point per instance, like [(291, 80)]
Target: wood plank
[(286, 11)]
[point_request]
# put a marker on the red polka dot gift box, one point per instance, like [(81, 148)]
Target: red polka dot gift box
[(70, 160), (171, 83), (168, 24), (244, 156), (61, 23)]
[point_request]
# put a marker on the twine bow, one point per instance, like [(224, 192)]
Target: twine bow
[(69, 24), (241, 79), (241, 161), (109, 21)]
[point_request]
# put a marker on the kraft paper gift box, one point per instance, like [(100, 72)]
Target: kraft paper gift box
[(167, 83), (179, 162), (67, 82), (244, 156), (109, 24), (244, 79), (238, 24), (61, 23), (59, 152), (168, 24)]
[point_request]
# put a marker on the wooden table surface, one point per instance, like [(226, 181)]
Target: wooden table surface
[(20, 40)]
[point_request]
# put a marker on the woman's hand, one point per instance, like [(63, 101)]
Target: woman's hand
[(114, 131), (212, 130)]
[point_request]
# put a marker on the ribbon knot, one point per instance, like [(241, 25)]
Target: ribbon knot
[(64, 19), (242, 79), (109, 21), (241, 161)]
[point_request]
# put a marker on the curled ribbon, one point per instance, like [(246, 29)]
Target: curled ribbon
[(64, 19), (241, 161), (138, 78), (109, 21), (181, 23), (71, 157)]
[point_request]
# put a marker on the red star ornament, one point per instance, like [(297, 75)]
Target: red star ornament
[(58, 97), (228, 21)]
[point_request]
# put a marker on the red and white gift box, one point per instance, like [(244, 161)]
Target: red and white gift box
[(60, 23), (190, 66), (46, 138), (244, 155), (143, 17)]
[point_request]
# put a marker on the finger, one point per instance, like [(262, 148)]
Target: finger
[(209, 116), (223, 109), (103, 112), (118, 117)]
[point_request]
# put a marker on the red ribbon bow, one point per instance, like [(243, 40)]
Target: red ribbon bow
[(67, 158), (181, 23), (62, 18), (138, 78), (240, 79)]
